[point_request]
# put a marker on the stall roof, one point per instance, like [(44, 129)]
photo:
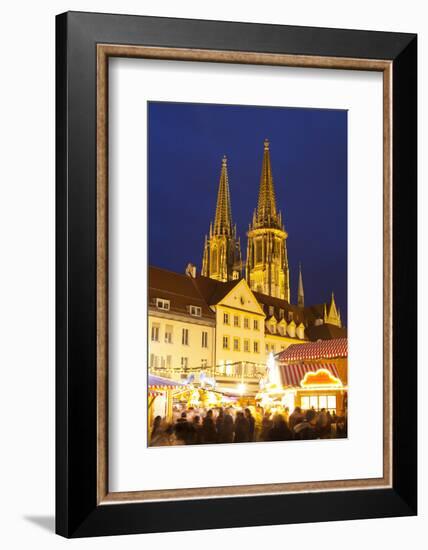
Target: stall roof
[(323, 349), (292, 375), (158, 382)]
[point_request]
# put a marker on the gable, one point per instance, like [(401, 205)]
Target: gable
[(241, 297)]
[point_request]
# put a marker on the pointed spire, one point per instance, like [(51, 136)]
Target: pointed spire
[(223, 213), (300, 291), (266, 207)]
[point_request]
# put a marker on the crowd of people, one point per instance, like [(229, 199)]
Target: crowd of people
[(190, 427)]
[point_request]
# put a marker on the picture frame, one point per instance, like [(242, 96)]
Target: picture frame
[(84, 44)]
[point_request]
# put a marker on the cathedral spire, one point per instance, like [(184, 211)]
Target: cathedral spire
[(221, 259), (223, 213), (300, 291), (266, 207)]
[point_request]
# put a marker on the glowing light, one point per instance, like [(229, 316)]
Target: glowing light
[(273, 373), (321, 377), (242, 388)]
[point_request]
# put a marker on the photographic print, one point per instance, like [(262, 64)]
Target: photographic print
[(247, 297)]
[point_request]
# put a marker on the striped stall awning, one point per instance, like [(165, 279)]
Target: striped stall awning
[(155, 393), (323, 349), (292, 375), (158, 383)]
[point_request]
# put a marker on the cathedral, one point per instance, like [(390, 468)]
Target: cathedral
[(266, 267)]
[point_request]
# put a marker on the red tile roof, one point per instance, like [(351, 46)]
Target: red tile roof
[(324, 349)]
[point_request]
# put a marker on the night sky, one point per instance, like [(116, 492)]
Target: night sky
[(308, 150)]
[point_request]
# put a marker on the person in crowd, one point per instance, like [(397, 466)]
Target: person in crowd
[(242, 428), (225, 435), (307, 428), (156, 428), (251, 424), (219, 422), (280, 430), (164, 436), (295, 418), (209, 434), (182, 428), (323, 424), (266, 426), (286, 414), (258, 417), (195, 431)]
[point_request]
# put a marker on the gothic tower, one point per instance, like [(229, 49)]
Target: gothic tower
[(300, 291), (222, 251), (267, 263)]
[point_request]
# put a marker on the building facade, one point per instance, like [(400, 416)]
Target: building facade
[(222, 330)]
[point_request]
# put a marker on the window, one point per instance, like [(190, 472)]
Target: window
[(155, 333), (290, 316), (204, 339), (246, 345), (204, 362), (236, 344), (185, 337), (331, 402), (273, 348), (281, 314), (267, 348), (246, 322), (225, 318), (168, 361), (225, 342), (236, 320), (168, 334), (271, 311), (162, 304), (259, 253), (256, 346), (184, 362), (256, 324), (196, 311)]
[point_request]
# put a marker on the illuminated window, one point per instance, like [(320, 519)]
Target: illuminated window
[(225, 318), (225, 342), (155, 333), (204, 362), (313, 401), (236, 321), (271, 311), (290, 316), (256, 346), (246, 345), (256, 324), (267, 348), (322, 401), (204, 339), (162, 304), (168, 361), (168, 334), (246, 322), (236, 344), (304, 402), (331, 402), (184, 362), (185, 337)]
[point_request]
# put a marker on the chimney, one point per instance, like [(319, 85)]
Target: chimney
[(191, 271)]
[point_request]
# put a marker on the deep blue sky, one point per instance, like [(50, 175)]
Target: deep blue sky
[(309, 163)]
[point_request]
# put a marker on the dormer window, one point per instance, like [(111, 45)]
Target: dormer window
[(196, 311), (271, 311), (281, 313), (162, 304), (290, 316)]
